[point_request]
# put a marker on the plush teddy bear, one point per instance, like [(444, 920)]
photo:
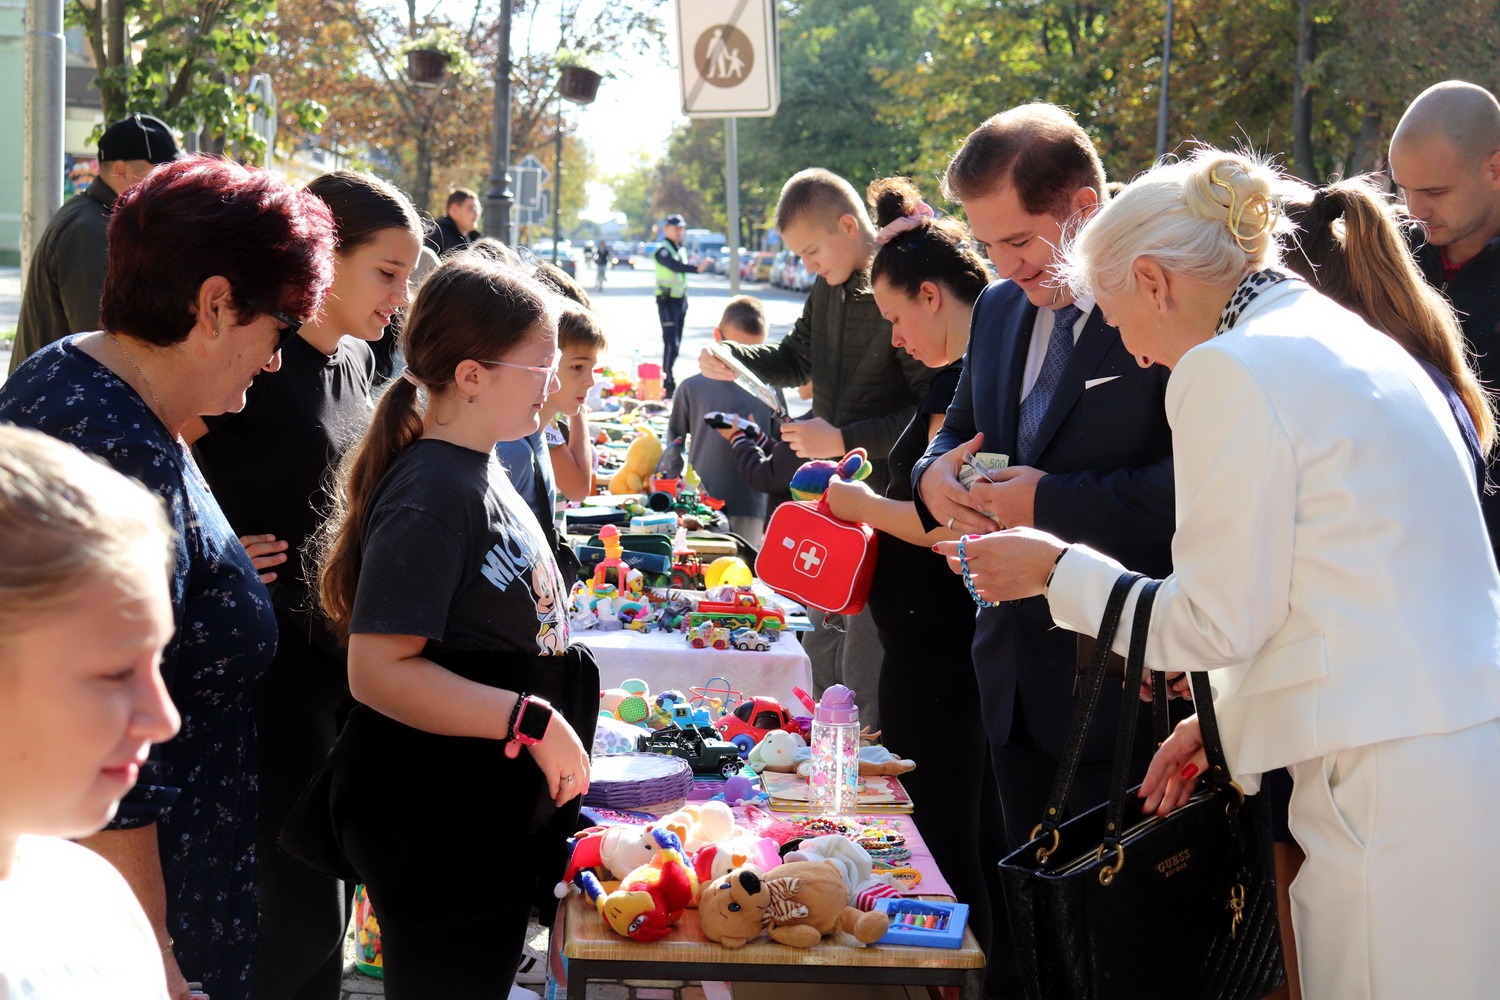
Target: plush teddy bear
[(795, 903), (640, 461), (650, 900)]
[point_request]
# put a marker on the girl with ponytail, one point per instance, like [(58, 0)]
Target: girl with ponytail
[(458, 776)]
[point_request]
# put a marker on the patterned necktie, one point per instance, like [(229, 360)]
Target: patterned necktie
[(1034, 406)]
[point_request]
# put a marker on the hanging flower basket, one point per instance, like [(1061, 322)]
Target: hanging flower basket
[(426, 67), (579, 84)]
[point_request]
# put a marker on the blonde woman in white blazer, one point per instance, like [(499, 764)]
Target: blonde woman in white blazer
[(1332, 570)]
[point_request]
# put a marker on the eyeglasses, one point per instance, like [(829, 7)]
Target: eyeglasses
[(551, 372), (289, 327)]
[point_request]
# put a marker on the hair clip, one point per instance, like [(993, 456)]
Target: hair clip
[(1258, 205)]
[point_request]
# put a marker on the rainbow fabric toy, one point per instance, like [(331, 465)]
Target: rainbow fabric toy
[(811, 481)]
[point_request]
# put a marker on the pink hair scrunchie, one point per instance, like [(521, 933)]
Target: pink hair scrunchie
[(907, 222)]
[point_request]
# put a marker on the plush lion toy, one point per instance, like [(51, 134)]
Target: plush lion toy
[(650, 899), (795, 903)]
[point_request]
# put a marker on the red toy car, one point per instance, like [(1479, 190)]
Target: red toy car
[(751, 720)]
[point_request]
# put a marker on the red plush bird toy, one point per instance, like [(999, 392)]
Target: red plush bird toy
[(651, 898)]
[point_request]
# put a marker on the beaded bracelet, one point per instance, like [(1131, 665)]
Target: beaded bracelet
[(515, 715), (963, 563)]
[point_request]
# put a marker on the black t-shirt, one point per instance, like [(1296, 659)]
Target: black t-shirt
[(451, 553), (270, 465)]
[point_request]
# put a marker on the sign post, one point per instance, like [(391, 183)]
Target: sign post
[(730, 69)]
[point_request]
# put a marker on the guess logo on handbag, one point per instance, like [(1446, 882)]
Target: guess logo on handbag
[(1176, 863)]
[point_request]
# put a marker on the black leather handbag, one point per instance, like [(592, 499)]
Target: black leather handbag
[(1115, 904)]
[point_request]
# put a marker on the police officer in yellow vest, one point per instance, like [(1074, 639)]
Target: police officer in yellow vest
[(672, 270)]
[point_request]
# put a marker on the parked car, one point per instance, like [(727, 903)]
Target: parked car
[(778, 267), (789, 266), (759, 266), (802, 278)]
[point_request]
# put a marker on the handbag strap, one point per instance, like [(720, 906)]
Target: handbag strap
[(1135, 666), (1083, 713), (1208, 725)]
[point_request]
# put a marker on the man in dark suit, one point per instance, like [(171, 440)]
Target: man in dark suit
[(1049, 384)]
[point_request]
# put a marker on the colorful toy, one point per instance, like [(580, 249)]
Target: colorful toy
[(776, 751), (650, 899), (367, 957), (697, 825), (641, 457), (872, 760), (738, 790), (811, 481), (747, 639), (654, 524), (700, 746), (746, 609), (615, 850), (731, 570), (922, 923), (707, 633), (713, 861), (795, 903), (625, 580), (752, 720)]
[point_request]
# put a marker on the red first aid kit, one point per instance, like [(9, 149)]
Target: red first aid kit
[(814, 558)]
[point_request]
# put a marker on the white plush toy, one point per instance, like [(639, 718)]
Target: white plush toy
[(777, 751)]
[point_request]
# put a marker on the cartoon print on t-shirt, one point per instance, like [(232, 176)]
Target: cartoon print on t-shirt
[(546, 592)]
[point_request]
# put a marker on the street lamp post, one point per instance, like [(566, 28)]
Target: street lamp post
[(498, 196)]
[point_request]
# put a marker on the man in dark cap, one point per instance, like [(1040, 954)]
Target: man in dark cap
[(672, 270), (66, 275)]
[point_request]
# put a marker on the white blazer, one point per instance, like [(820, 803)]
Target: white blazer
[(1331, 564)]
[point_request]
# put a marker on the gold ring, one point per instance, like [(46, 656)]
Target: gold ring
[(950, 522)]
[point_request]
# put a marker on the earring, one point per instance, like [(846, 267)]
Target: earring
[(469, 399)]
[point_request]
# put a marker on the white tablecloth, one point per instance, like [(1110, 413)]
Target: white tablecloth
[(664, 660)]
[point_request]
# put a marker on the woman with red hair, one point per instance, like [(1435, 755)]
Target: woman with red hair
[(212, 266)]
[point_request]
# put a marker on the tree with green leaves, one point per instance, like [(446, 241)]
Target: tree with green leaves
[(187, 61)]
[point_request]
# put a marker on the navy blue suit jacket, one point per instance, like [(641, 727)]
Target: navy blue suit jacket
[(1107, 452)]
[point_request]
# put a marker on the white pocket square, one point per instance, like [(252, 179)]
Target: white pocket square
[(1099, 381)]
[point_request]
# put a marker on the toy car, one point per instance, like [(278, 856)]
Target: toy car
[(746, 609), (748, 638), (704, 754), (752, 719), (708, 633)]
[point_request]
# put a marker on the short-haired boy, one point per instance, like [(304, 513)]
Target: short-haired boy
[(743, 322), (580, 341), (865, 391)]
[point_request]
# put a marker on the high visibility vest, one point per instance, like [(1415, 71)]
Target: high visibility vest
[(668, 281)]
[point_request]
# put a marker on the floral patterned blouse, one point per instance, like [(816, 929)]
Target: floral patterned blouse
[(199, 788)]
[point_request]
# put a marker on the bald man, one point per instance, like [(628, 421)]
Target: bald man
[(1445, 155)]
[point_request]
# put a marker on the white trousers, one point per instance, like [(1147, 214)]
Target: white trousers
[(1400, 895)]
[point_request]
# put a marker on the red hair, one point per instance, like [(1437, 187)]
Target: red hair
[(203, 216)]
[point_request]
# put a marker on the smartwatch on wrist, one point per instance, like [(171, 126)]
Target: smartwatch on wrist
[(533, 716)]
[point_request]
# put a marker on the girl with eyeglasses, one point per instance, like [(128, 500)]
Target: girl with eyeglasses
[(455, 782), (305, 417)]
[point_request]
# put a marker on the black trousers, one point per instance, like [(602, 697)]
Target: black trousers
[(673, 314), (300, 705), (1024, 775)]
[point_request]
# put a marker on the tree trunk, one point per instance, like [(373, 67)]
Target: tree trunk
[(1369, 149), (1302, 148), (421, 181)]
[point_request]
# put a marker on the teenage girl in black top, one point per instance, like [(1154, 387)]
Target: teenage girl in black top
[(269, 466), (454, 783), (926, 276)]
